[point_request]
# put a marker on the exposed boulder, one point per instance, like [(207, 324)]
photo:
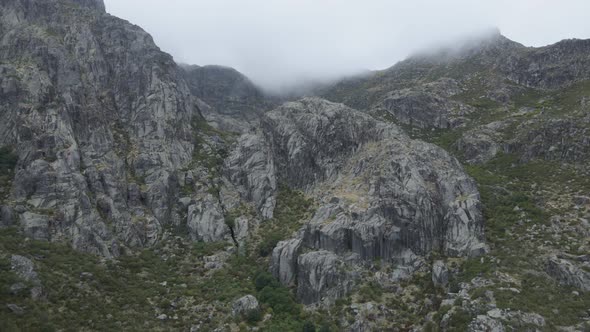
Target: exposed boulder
[(15, 309), (284, 261), (7, 216), (440, 274), (322, 277), (206, 220), (567, 273), (485, 323), (244, 305), (25, 269)]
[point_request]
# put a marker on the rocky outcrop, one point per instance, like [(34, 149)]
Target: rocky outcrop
[(426, 106), (284, 258), (553, 139), (566, 139), (481, 144), (251, 168), (440, 274), (102, 121), (550, 67), (321, 277), (486, 323), (244, 305), (568, 273), (206, 220), (380, 192), (236, 104), (25, 270)]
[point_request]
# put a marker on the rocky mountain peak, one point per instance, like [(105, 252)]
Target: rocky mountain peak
[(488, 44)]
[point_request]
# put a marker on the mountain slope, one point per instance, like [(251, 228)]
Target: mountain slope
[(100, 119), (235, 102), (517, 118), (139, 194)]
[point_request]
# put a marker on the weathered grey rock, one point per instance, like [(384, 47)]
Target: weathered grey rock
[(424, 107), (380, 178), (250, 167), (234, 103), (15, 289), (35, 225), (244, 305), (440, 274), (380, 193), (7, 216), (483, 323), (206, 220), (15, 309), (284, 261), (564, 139), (321, 277), (481, 144), (25, 269), (567, 273), (100, 119)]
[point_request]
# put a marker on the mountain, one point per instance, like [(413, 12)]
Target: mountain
[(446, 193), (518, 119)]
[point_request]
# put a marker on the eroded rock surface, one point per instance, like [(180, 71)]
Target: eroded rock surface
[(380, 192), (568, 273)]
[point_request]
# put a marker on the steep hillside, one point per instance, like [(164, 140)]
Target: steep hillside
[(234, 103), (517, 118), (447, 193), (100, 121)]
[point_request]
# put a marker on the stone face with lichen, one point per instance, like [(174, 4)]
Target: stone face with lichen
[(379, 192)]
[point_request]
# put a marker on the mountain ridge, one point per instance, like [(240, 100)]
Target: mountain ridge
[(446, 193)]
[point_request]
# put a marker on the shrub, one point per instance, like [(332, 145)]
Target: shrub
[(308, 327), (254, 316), (264, 279), (279, 299)]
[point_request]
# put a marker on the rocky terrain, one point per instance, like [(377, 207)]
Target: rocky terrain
[(449, 192), (228, 99)]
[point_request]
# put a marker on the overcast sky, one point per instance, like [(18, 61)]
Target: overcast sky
[(278, 43)]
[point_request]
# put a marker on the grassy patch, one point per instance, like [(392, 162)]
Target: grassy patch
[(8, 160)]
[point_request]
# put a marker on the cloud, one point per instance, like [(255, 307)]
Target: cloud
[(281, 43)]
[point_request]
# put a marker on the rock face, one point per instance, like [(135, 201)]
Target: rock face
[(102, 121), (25, 270), (206, 221), (568, 273), (552, 139), (426, 106), (284, 258), (440, 274), (235, 103), (244, 305), (380, 192), (250, 167), (321, 275), (555, 139)]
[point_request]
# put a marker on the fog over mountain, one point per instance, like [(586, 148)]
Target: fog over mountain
[(287, 43), (448, 191)]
